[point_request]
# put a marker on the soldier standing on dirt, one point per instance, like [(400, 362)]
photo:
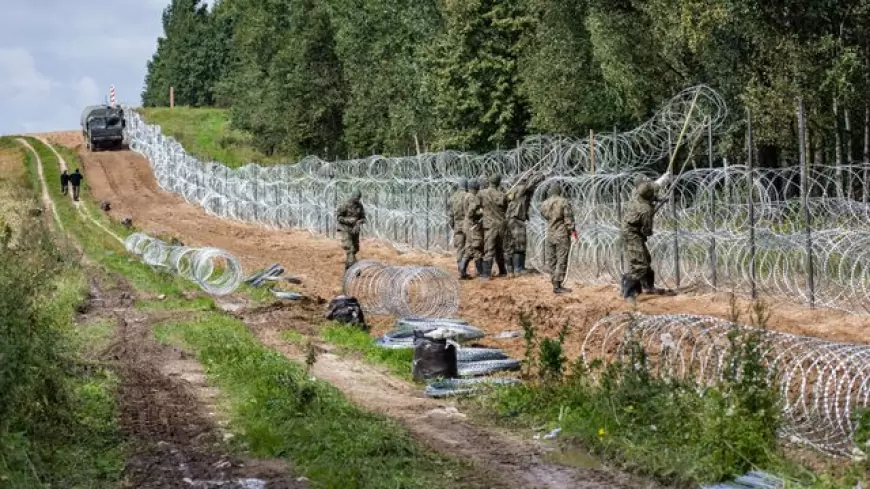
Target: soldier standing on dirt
[(64, 182), (76, 180), (637, 227), (351, 216), (494, 204), (559, 215), (519, 199), (455, 218), (473, 214)]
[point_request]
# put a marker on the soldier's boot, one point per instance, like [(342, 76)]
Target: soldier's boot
[(648, 285), (463, 269), (486, 270), (559, 290), (478, 264), (503, 269), (630, 289), (520, 262)]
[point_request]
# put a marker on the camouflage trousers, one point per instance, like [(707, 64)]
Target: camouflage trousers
[(349, 241), (516, 237), (473, 241), (557, 249), (459, 243), (494, 241), (638, 257)]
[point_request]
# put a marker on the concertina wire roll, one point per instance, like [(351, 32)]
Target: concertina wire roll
[(821, 383), (701, 240)]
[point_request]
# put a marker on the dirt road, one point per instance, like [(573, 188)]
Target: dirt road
[(125, 179)]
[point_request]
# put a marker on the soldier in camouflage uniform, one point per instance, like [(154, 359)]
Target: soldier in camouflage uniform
[(455, 219), (494, 204), (519, 200), (559, 215), (473, 217), (637, 227), (350, 216)]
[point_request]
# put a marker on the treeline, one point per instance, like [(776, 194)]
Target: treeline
[(341, 78)]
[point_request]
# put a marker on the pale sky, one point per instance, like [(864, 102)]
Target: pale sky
[(58, 56)]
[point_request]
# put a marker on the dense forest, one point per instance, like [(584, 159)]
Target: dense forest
[(341, 78)]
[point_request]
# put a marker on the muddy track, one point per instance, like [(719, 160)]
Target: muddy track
[(164, 404)]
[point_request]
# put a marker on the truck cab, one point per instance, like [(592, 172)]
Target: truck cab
[(103, 127)]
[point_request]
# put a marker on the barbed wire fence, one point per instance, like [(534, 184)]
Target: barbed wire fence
[(726, 226)]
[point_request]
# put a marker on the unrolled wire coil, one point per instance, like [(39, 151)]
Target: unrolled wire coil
[(821, 383), (403, 291), (215, 271)]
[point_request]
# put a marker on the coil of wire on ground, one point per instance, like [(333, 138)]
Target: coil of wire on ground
[(702, 236), (215, 271), (402, 291), (821, 383)]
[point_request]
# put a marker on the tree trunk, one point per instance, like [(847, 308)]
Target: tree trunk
[(847, 126), (838, 151)]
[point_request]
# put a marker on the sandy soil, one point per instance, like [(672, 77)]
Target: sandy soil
[(125, 179)]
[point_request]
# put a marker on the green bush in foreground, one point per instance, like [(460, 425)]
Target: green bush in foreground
[(280, 411), (664, 428), (57, 424)]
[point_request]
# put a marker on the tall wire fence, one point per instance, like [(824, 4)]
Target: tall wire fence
[(796, 233)]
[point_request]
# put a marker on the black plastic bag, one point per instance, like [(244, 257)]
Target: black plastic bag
[(346, 310), (433, 359)]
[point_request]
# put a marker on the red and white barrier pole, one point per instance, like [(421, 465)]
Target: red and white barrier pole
[(112, 95)]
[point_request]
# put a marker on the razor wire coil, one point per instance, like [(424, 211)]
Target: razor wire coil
[(215, 271), (821, 383), (402, 291), (702, 236)]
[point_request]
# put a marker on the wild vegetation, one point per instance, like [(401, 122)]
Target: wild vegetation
[(341, 78)]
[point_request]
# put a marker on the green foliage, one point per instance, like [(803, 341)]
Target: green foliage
[(397, 360), (57, 420), (552, 356), (281, 412), (659, 427)]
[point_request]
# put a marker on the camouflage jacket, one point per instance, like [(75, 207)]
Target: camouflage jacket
[(520, 198), (349, 215), (559, 215), (455, 211), (471, 208), (494, 204), (637, 221)]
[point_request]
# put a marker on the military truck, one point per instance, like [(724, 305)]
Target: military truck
[(103, 127)]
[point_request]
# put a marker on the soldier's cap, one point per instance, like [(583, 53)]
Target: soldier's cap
[(355, 195), (473, 184), (646, 191), (495, 180), (639, 179), (554, 189)]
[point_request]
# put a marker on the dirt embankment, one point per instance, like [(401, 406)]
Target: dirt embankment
[(125, 179)]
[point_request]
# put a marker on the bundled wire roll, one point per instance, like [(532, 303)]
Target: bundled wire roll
[(459, 387), (478, 368), (403, 291), (215, 271), (821, 383)]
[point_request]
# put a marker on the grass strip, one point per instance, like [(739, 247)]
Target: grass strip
[(280, 411), (352, 340)]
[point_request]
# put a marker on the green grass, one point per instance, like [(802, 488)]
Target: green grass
[(105, 249), (58, 416), (206, 134), (295, 337), (280, 412), (353, 340)]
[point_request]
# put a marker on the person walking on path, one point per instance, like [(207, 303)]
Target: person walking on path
[(76, 180), (519, 200), (473, 216), (559, 215), (455, 219), (637, 227), (351, 216), (494, 205), (64, 182)]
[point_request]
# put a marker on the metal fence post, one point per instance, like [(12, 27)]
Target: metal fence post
[(712, 214), (673, 202), (802, 135), (427, 216), (751, 203)]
